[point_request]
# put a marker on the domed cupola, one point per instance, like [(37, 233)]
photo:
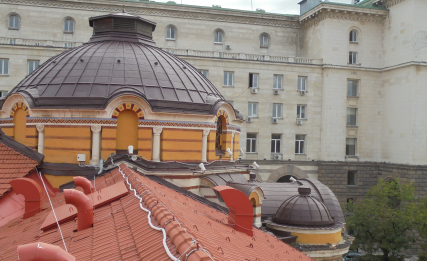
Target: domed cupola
[(303, 210), (120, 59)]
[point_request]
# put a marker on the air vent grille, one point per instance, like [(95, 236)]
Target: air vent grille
[(124, 24)]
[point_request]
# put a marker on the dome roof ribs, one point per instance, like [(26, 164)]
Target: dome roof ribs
[(99, 65)]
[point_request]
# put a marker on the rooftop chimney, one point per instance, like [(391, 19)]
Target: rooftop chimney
[(32, 193), (42, 251), (84, 207), (240, 210), (85, 184)]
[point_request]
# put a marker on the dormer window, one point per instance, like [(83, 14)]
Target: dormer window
[(14, 22), (68, 26), (353, 36), (170, 33)]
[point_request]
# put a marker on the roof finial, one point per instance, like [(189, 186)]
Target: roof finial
[(123, 9)]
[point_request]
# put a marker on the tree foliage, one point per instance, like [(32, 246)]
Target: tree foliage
[(387, 219)]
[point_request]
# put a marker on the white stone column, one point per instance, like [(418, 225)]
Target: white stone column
[(40, 129), (232, 146), (156, 143), (96, 139), (205, 144)]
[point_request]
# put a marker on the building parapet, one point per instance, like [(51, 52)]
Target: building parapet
[(41, 43), (242, 56)]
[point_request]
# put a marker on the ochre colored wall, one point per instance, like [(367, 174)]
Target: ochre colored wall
[(20, 122), (108, 142), (318, 238), (127, 130), (181, 145), (57, 181), (8, 130), (236, 147), (63, 143), (32, 137), (254, 196), (211, 147), (145, 142)]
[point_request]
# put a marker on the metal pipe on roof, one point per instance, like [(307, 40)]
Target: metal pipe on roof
[(85, 184), (32, 193), (84, 207), (42, 251)]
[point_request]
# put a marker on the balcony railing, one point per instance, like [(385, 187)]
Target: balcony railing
[(41, 43)]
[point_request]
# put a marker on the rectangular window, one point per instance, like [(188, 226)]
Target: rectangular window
[(352, 58), (299, 144), (253, 80), (302, 83), (68, 45), (228, 78), (204, 72), (301, 111), (351, 116), (352, 88), (252, 109), (351, 178), (68, 26), (4, 66), (350, 148), (277, 82), (353, 36), (32, 65), (3, 93), (275, 143), (251, 142), (277, 110), (14, 22)]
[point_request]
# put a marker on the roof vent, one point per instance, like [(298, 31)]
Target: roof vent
[(42, 251), (84, 207), (240, 209), (32, 193), (85, 184)]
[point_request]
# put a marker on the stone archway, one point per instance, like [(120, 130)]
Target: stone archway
[(287, 170)]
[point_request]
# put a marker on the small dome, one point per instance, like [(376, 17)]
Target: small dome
[(303, 209)]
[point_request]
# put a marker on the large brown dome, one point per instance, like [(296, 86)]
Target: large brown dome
[(120, 59), (303, 209)]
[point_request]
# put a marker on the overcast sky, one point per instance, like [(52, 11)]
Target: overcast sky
[(271, 6)]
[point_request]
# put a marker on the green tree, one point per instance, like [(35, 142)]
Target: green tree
[(386, 219)]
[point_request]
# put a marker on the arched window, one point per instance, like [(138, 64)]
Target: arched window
[(170, 33), (263, 40), (13, 22), (354, 36), (218, 36), (69, 25), (220, 135), (127, 131), (19, 128)]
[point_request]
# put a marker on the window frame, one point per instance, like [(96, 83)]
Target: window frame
[(34, 68), (67, 25), (172, 29), (276, 141), (276, 82), (251, 106), (228, 76), (4, 61), (68, 45), (202, 72), (354, 172), (298, 141), (263, 38), (347, 149), (3, 94), (357, 87), (216, 36), (275, 105), (253, 78), (252, 141), (353, 57), (354, 36), (349, 117), (304, 107), (14, 22), (302, 82)]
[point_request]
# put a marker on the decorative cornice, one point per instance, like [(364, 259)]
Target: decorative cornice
[(390, 3), (325, 11), (170, 11)]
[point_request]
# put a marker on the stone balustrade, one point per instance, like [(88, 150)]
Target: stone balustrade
[(42, 43)]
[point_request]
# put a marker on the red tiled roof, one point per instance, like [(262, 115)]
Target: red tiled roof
[(13, 165), (121, 230)]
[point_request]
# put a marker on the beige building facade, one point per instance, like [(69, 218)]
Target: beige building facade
[(288, 74)]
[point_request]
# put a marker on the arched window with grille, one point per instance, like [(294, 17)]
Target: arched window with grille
[(170, 33), (218, 36), (13, 22), (68, 25), (354, 36), (264, 40)]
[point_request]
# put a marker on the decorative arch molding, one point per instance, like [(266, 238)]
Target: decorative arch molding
[(16, 14), (286, 170), (174, 28), (268, 39), (222, 32), (128, 106), (224, 114), (19, 105)]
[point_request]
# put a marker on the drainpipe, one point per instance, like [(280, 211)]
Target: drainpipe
[(85, 184), (32, 193), (42, 251), (84, 207)]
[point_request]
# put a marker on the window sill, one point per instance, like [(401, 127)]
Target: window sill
[(218, 43), (354, 42), (11, 28), (351, 156), (278, 89), (170, 39), (354, 64), (300, 154), (279, 118), (354, 97), (263, 47), (352, 126), (68, 32), (219, 152), (251, 152), (4, 75), (253, 117), (226, 86), (301, 119)]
